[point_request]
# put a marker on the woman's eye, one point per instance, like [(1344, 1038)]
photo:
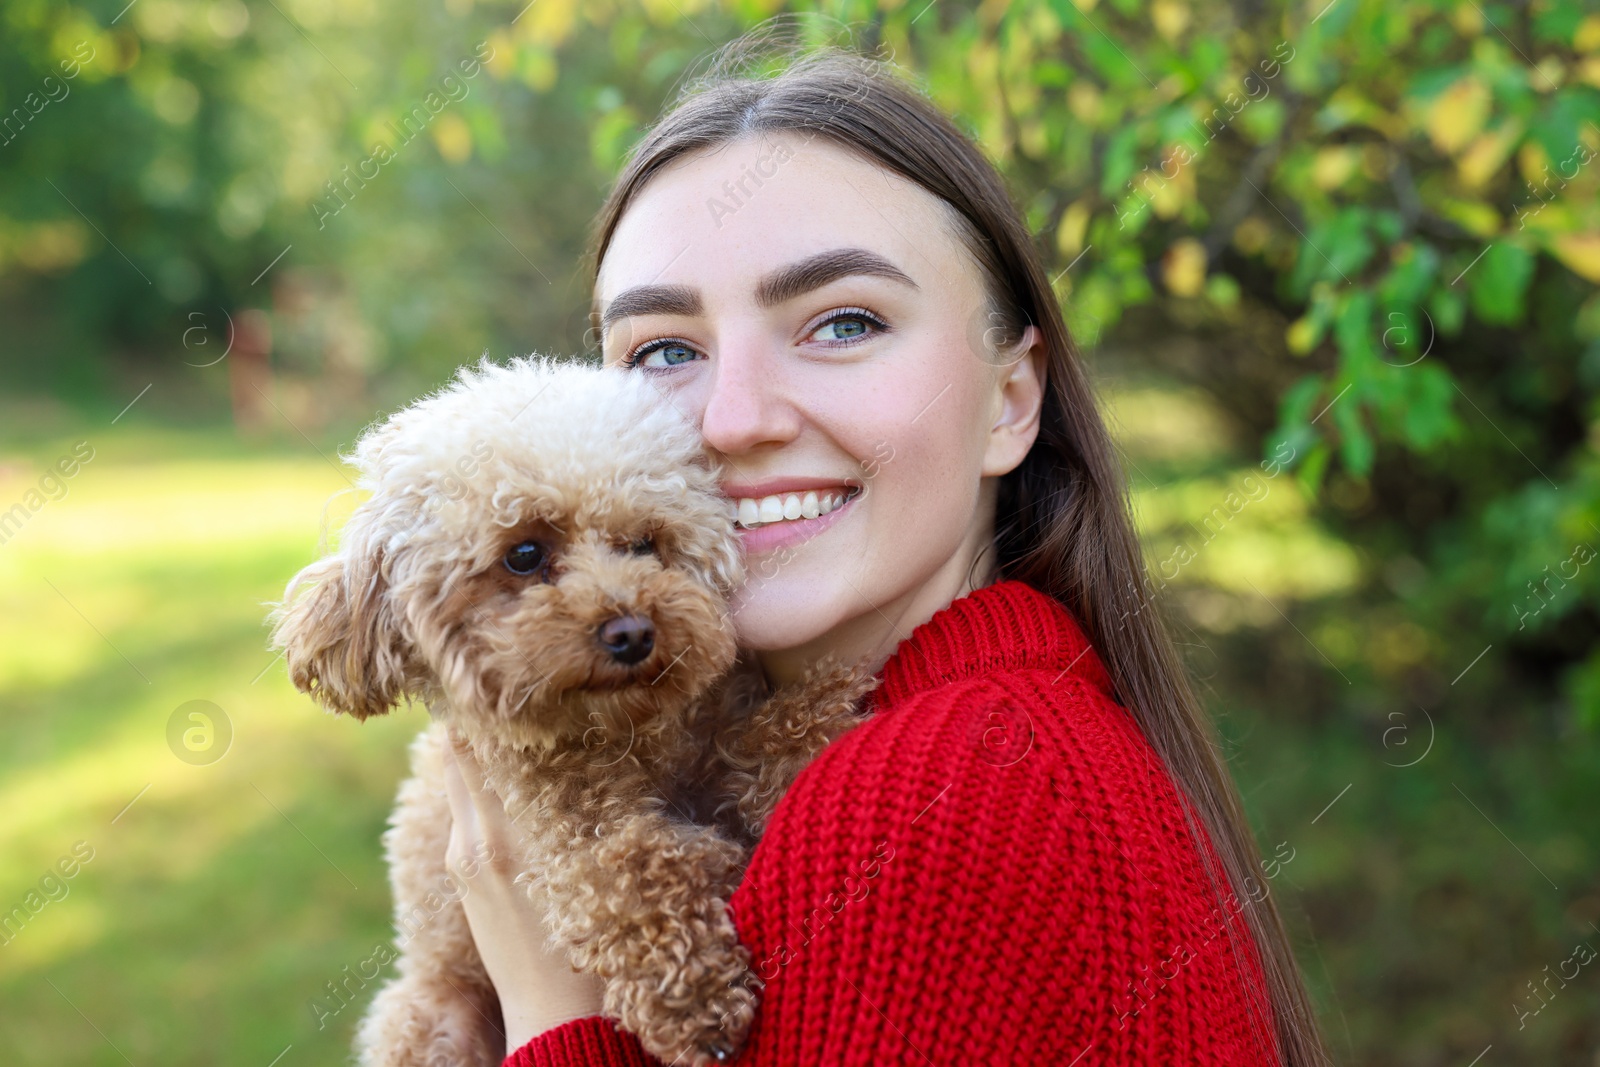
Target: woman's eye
[(844, 327), (672, 353), (847, 326), (527, 558)]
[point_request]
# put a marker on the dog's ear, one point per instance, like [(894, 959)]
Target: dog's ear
[(341, 638)]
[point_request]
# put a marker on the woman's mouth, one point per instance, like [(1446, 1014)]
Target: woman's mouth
[(750, 512), (781, 520)]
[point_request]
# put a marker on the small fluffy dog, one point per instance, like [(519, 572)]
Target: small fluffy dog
[(545, 561)]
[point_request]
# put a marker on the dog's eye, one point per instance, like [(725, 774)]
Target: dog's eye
[(529, 557), (643, 547)]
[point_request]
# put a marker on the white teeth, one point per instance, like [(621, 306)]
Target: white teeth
[(749, 511)]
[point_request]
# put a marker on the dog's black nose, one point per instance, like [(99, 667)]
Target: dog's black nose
[(629, 638)]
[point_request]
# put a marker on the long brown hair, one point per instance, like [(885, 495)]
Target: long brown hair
[(1063, 521)]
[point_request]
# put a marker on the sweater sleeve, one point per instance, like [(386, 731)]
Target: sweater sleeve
[(592, 1042), (996, 871)]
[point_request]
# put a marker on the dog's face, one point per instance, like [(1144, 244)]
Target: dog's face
[(545, 549)]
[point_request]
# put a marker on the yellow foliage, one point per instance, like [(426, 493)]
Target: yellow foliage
[(983, 63), (1580, 252), (1458, 114), (1074, 224), (161, 20), (548, 22), (49, 246), (503, 60), (1588, 71), (1587, 39), (1545, 219), (1168, 197), (453, 138), (1300, 336), (1251, 235), (1547, 74), (1183, 268), (1085, 5), (991, 11), (1467, 19), (1473, 215), (1171, 18), (1486, 155), (1333, 165), (1084, 100), (1532, 160), (1347, 106)]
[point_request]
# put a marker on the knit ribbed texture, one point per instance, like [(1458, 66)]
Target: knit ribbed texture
[(994, 868), (591, 1040)]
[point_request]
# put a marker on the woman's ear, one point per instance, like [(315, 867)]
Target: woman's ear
[(341, 639), (1019, 385)]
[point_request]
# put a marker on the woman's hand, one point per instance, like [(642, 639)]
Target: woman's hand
[(538, 988)]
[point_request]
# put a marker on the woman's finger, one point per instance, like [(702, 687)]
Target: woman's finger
[(490, 823), (464, 835)]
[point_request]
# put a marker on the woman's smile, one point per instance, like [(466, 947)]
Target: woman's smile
[(783, 512)]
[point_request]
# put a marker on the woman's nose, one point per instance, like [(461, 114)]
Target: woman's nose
[(748, 405)]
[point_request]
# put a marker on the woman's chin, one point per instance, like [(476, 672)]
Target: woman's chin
[(778, 615)]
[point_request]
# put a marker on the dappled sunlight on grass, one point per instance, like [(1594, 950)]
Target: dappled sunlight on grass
[(1163, 424), (227, 892), (1233, 529)]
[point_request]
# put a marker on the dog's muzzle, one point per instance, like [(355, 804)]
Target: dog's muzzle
[(627, 638)]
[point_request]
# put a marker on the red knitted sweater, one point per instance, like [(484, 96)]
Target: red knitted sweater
[(992, 868)]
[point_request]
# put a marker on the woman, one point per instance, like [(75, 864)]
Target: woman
[(1030, 852)]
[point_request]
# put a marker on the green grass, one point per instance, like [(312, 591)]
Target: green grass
[(217, 904)]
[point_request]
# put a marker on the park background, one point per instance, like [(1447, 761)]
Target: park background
[(1364, 233)]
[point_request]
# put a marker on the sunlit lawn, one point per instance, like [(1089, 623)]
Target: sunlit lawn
[(219, 902)]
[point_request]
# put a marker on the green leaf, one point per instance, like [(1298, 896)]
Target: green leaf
[(1354, 332), (1309, 474), (1408, 280), (1427, 418), (1297, 399), (1262, 121), (1449, 309), (1583, 687), (1498, 283), (1355, 443), (1556, 23), (1568, 111), (1121, 160)]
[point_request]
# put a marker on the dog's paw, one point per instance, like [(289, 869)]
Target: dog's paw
[(735, 1009), (705, 1044), (708, 1034)]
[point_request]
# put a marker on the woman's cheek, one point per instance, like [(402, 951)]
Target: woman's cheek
[(923, 495)]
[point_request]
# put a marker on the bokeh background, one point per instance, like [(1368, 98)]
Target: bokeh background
[(1364, 234)]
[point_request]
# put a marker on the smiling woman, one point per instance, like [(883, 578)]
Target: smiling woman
[(870, 346), (802, 349)]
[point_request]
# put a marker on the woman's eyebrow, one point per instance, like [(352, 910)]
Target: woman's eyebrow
[(781, 285)]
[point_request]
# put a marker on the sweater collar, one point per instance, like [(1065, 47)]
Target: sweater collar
[(1006, 626)]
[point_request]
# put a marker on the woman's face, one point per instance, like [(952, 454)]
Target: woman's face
[(817, 318)]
